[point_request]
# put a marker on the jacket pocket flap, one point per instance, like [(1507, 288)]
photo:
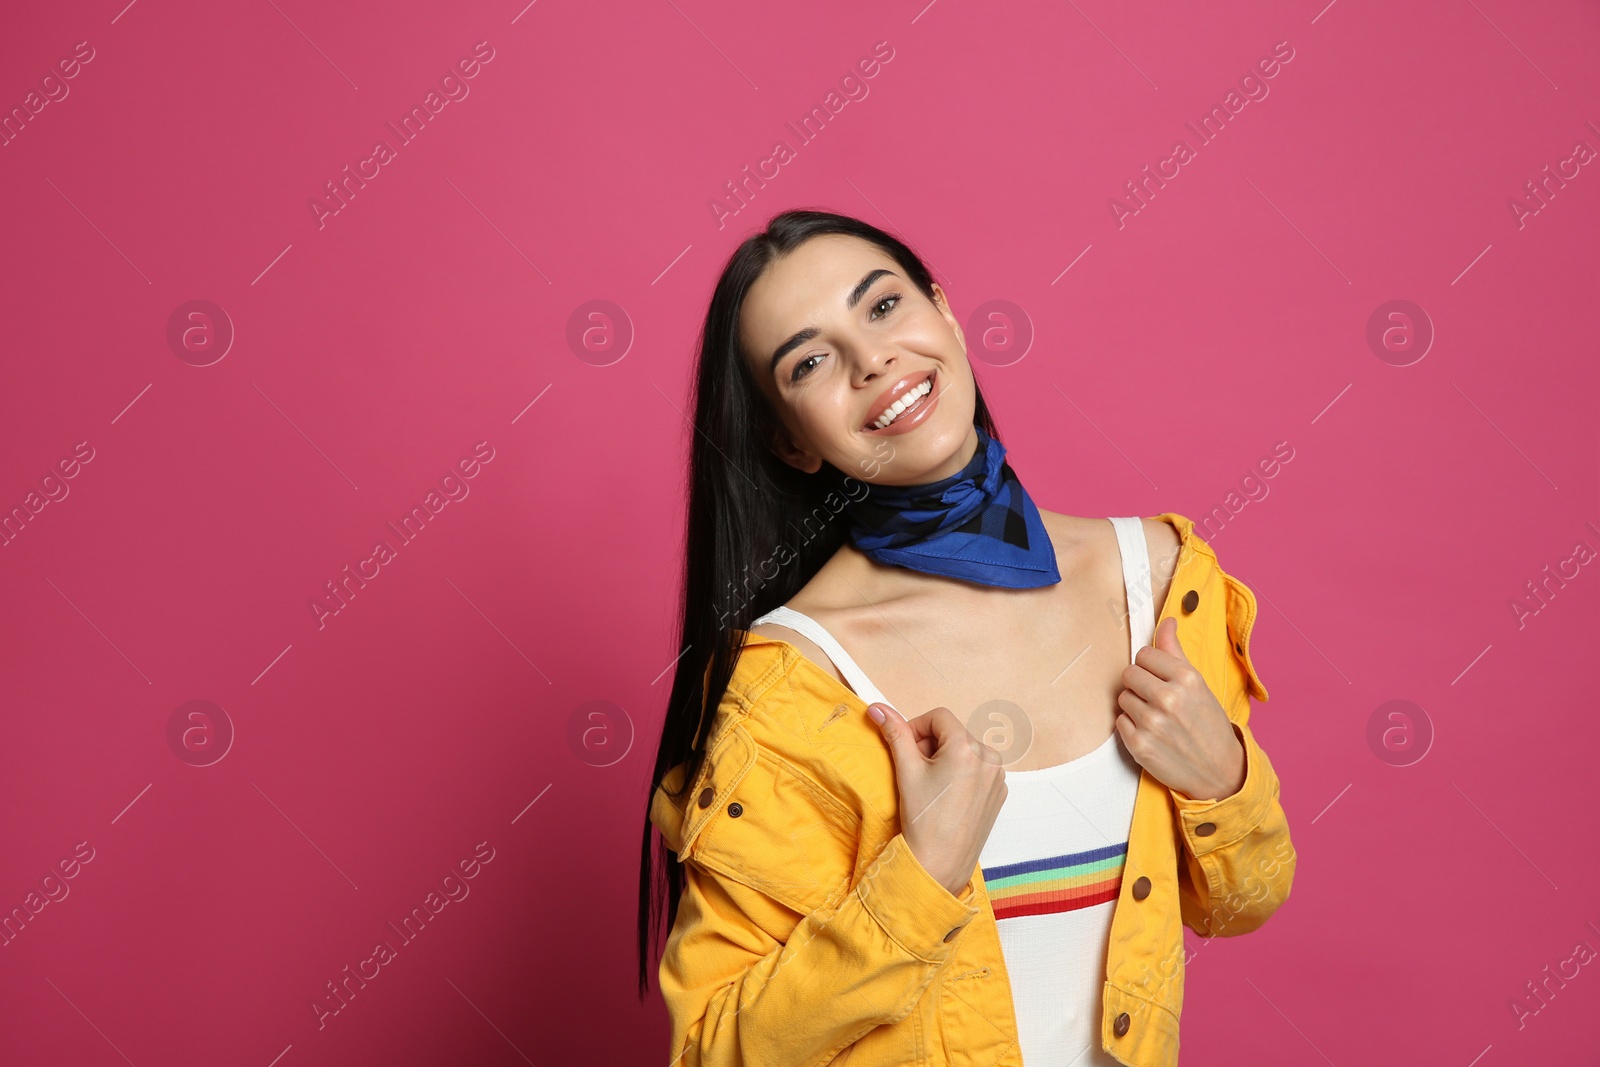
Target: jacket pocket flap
[(778, 831), (732, 755), (1241, 619)]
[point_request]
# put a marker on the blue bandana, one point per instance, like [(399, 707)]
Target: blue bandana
[(978, 525)]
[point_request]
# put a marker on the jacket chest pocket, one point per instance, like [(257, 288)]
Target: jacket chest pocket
[(780, 832)]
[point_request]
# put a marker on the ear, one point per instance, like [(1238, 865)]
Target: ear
[(784, 447), (942, 301)]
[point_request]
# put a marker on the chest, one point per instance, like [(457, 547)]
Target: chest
[(1040, 687)]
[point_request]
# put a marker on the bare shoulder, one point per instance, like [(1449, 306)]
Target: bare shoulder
[(1087, 554), (1079, 540), (1088, 546), (1074, 530)]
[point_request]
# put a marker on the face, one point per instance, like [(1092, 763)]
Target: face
[(836, 336)]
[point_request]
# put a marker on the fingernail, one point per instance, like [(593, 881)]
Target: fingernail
[(876, 711)]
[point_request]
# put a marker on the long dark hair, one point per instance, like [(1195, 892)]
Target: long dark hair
[(744, 502)]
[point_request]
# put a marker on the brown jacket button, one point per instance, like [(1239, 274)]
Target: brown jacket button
[(1191, 600), (735, 810), (1120, 1025), (1141, 887), (951, 936), (1205, 829), (705, 796)]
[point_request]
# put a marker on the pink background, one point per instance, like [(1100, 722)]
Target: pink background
[(372, 352)]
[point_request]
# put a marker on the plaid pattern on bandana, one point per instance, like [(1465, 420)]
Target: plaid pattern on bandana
[(978, 525)]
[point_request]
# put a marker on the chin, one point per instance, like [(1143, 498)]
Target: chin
[(933, 452)]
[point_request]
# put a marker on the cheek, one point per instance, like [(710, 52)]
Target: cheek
[(821, 412)]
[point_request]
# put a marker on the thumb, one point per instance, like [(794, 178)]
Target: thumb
[(1166, 637), (896, 730)]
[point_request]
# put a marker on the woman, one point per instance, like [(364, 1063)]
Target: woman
[(886, 881)]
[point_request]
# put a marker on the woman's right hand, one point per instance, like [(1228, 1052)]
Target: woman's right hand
[(951, 788)]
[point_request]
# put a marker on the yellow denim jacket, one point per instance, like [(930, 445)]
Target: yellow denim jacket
[(807, 927)]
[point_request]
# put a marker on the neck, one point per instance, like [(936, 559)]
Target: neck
[(958, 459)]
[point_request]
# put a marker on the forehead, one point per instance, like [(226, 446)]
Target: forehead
[(807, 287)]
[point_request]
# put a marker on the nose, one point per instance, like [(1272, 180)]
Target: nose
[(874, 363)]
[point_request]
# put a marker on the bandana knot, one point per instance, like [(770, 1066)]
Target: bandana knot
[(978, 525)]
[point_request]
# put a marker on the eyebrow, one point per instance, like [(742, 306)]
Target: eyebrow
[(800, 337)]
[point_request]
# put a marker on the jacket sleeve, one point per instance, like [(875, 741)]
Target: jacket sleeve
[(1238, 860), (748, 981)]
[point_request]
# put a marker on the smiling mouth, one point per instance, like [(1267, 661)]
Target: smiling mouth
[(906, 405)]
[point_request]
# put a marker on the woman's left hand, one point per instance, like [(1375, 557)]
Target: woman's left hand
[(1173, 725)]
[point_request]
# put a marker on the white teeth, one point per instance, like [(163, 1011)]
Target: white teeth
[(895, 410)]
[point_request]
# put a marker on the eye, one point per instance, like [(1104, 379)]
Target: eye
[(884, 299), (801, 368)]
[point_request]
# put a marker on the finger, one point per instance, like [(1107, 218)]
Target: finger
[(1142, 682), (1161, 663), (952, 735), (897, 731), (1135, 708), (940, 724), (949, 734), (1166, 638), (922, 726), (1129, 731), (926, 741), (920, 731)]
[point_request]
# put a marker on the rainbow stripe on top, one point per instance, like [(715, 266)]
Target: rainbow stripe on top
[(1056, 883)]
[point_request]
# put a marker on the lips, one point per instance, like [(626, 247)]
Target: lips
[(893, 394)]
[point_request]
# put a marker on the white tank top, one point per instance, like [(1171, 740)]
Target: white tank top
[(1053, 860)]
